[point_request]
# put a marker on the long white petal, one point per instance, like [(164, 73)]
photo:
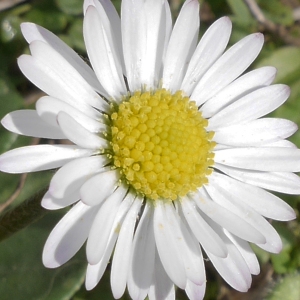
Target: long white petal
[(226, 218), (229, 200), (102, 54), (69, 178), (92, 256), (33, 32), (108, 12), (96, 270), (162, 287), (52, 81), (48, 108), (189, 246), (123, 251), (258, 199), (142, 257), (27, 122), (102, 225), (240, 87), (96, 189), (257, 132), (40, 157), (233, 268), (202, 231), (154, 21), (68, 235), (228, 67), (246, 251), (60, 78), (78, 134), (273, 159), (167, 245), (194, 291), (181, 45), (250, 107), (209, 49), (283, 182), (134, 40), (52, 203)]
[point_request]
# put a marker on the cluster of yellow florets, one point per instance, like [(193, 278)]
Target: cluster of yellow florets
[(160, 144)]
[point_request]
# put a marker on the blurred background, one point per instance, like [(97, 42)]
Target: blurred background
[(22, 275)]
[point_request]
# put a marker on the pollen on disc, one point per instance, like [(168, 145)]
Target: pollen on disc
[(160, 144)]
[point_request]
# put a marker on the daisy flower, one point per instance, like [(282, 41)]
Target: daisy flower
[(169, 155)]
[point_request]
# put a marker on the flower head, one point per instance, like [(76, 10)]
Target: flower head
[(169, 156)]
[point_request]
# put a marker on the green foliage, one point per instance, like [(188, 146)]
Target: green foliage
[(287, 288)]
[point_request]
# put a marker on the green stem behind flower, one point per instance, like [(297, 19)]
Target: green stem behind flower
[(23, 215)]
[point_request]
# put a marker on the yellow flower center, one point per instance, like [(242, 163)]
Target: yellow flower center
[(160, 144)]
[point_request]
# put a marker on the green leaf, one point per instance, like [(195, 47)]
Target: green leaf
[(288, 288), (22, 273), (240, 11), (70, 7), (287, 62), (49, 18), (277, 12), (10, 98), (76, 35), (10, 28)]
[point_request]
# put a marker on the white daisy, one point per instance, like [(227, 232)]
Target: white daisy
[(170, 155)]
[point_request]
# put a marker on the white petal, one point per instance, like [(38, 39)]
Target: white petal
[(226, 218), (202, 231), (78, 134), (142, 256), (181, 45), (39, 157), (167, 245), (55, 76), (69, 178), (281, 143), (190, 249), (95, 271), (27, 122), (33, 32), (246, 251), (52, 203), (154, 21), (48, 108), (168, 27), (113, 25), (68, 235), (194, 291), (231, 201), (250, 107), (228, 67), (209, 49), (233, 268), (96, 189), (262, 159), (162, 287), (123, 250), (102, 225), (92, 256), (258, 199), (255, 132), (102, 54), (240, 87), (73, 84), (282, 182), (134, 40)]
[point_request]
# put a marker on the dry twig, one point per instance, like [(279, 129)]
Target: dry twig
[(270, 26)]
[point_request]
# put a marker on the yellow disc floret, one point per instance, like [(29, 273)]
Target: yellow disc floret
[(160, 145)]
